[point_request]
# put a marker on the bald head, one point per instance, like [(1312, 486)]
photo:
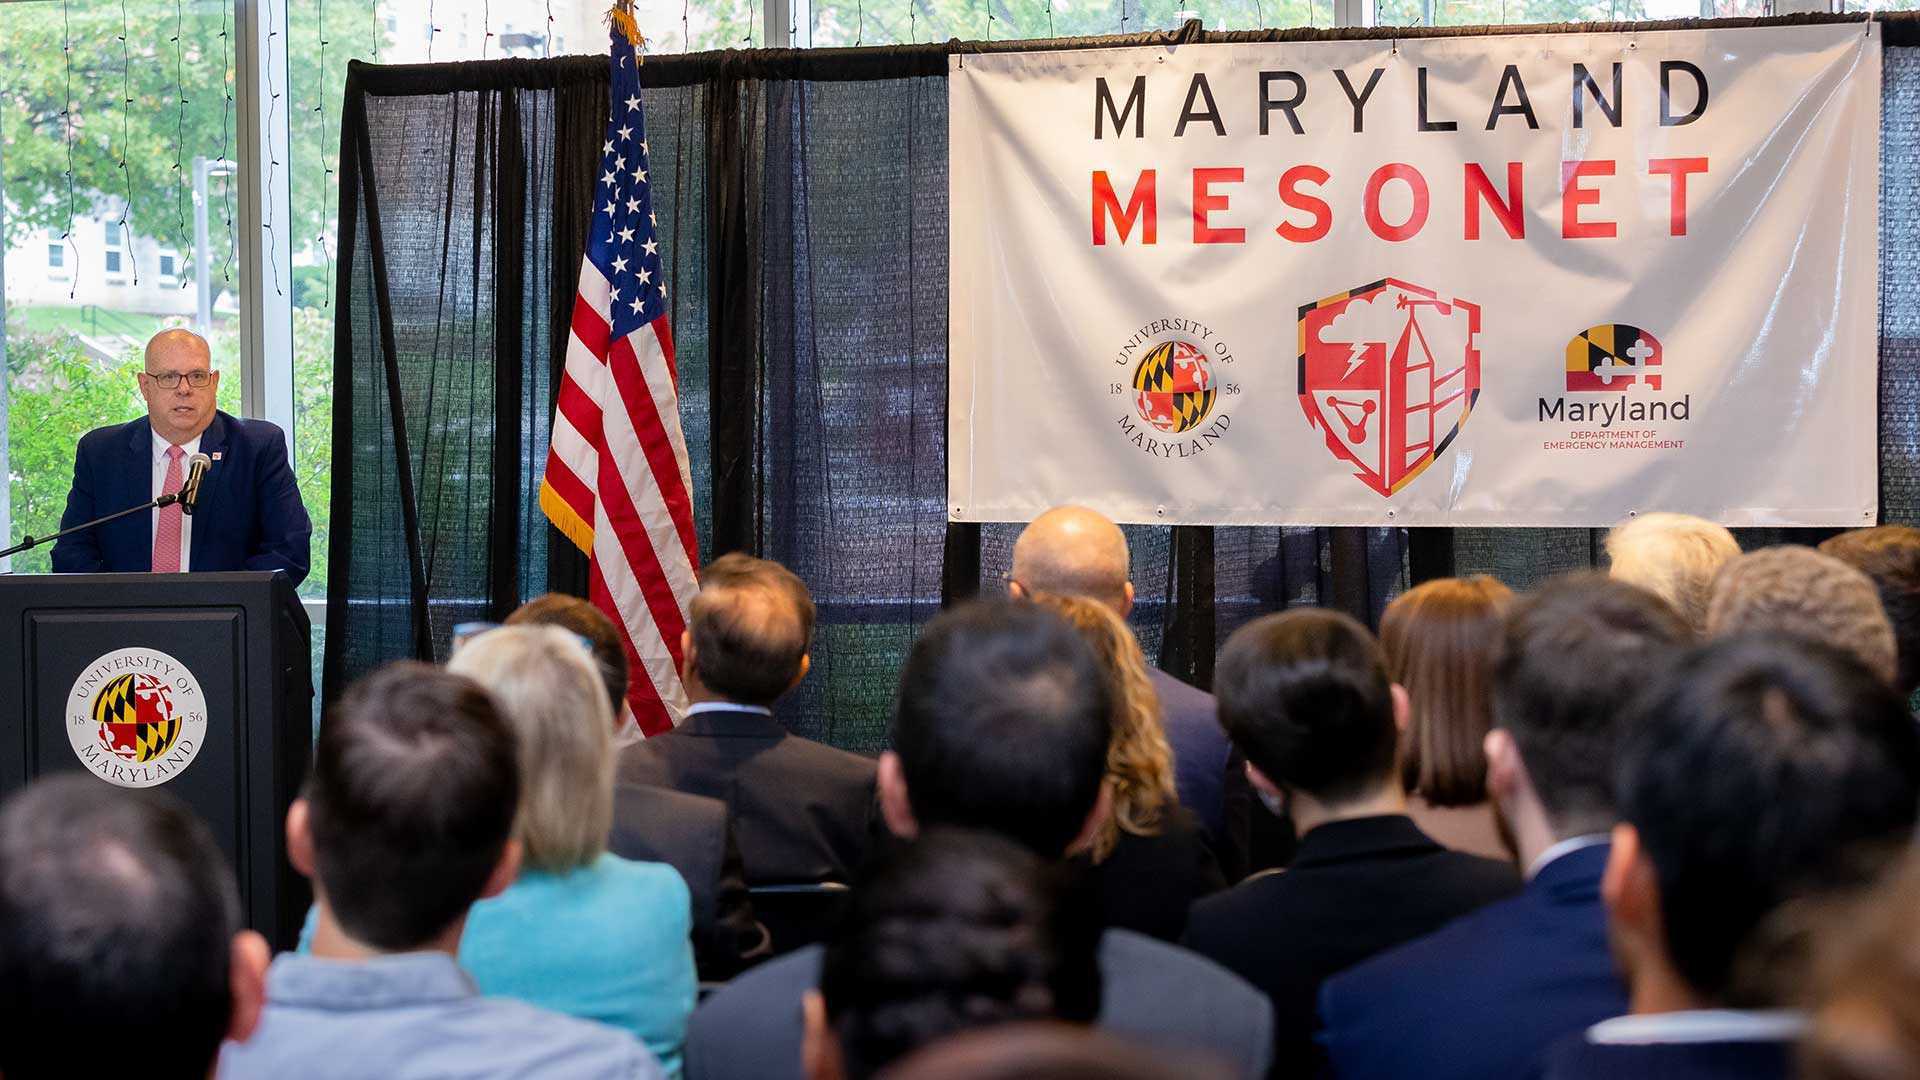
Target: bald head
[(176, 360), (1074, 551)]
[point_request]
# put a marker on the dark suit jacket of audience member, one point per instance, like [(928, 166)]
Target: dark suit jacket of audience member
[(1484, 997), (1576, 1059), (1150, 992), (803, 812), (691, 833), (1192, 723), (1148, 883), (1355, 888)]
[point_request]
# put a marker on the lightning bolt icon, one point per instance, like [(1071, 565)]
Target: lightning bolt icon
[(1354, 361)]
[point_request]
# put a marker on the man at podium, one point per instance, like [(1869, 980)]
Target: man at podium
[(247, 514)]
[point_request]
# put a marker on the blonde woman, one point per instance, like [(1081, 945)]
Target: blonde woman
[(1439, 638), (1150, 858), (581, 931)]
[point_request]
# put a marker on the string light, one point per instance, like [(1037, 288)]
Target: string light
[(273, 160), (686, 29), (549, 29), (326, 163), (180, 131), (126, 121), (226, 128), (432, 30), (66, 115)]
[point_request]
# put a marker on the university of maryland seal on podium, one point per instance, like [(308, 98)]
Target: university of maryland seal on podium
[(136, 717)]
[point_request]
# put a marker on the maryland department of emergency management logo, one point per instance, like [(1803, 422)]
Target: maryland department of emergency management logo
[(1389, 373), (136, 717), (1173, 386)]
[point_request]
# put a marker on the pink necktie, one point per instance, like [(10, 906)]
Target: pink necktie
[(166, 538)]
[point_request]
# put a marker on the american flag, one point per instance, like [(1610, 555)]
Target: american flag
[(617, 482)]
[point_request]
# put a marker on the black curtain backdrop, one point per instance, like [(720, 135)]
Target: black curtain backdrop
[(802, 203)]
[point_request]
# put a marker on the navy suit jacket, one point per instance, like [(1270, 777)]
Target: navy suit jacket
[(248, 517), (1192, 723), (1483, 998)]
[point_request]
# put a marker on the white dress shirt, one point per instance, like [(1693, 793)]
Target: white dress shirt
[(187, 450)]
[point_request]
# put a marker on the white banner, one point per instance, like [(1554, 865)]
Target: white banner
[(1547, 279)]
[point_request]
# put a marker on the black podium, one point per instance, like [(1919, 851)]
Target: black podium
[(199, 684)]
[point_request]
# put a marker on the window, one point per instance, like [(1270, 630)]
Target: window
[(56, 256), (170, 266), (115, 262)]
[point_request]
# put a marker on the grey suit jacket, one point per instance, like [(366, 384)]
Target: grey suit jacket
[(1150, 991), (1200, 748)]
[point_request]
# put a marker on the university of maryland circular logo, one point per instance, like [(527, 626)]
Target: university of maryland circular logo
[(1173, 386), (136, 717)]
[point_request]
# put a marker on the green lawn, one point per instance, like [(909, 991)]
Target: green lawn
[(92, 321)]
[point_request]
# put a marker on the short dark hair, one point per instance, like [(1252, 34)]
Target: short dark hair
[(1890, 555), (415, 784), (1305, 696), (117, 913), (1758, 768), (751, 625), (1573, 656), (953, 931), (589, 622), (1002, 723)]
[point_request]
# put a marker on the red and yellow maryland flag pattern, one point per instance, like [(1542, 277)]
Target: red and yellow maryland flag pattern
[(1173, 386), (135, 714), (1613, 356)]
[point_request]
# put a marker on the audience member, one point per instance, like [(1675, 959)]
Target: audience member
[(1439, 638), (1002, 724), (580, 931), (1674, 557), (1760, 771), (691, 833), (1074, 551), (1484, 996), (1865, 1022), (954, 931), (1151, 859), (1305, 696), (406, 820), (118, 916), (1798, 591), (803, 811), (1050, 1051), (1890, 556)]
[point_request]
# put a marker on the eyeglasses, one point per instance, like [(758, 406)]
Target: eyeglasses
[(170, 380)]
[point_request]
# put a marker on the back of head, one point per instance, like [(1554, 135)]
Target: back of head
[(1052, 1051), (1796, 590), (582, 618), (751, 626), (1002, 723), (411, 802), (1439, 638), (117, 918), (955, 930), (1073, 551), (1866, 988), (1574, 654), (1305, 696), (547, 688), (1759, 769), (1890, 556), (1139, 761), (1674, 557)]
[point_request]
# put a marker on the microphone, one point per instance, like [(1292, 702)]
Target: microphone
[(197, 467)]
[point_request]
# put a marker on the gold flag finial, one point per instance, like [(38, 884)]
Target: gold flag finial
[(623, 20)]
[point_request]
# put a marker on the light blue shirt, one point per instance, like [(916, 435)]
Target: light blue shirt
[(607, 942), (417, 1015)]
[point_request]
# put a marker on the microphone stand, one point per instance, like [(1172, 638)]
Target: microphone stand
[(28, 543)]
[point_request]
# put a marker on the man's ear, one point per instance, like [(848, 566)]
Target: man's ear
[(895, 807), (1126, 608), (504, 871), (806, 665), (1016, 590), (1629, 886), (1096, 818), (247, 981), (686, 656), (1262, 782), (300, 838), (820, 1057), (1402, 708), (1504, 770)]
